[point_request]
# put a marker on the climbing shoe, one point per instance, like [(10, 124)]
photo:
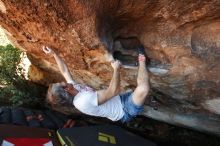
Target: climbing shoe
[(141, 50)]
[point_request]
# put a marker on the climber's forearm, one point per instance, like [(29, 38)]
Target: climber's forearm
[(114, 85), (62, 67), (112, 90)]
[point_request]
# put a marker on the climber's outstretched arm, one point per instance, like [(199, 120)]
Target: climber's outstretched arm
[(61, 65), (114, 86)]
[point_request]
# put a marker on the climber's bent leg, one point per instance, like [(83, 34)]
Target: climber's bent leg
[(143, 87)]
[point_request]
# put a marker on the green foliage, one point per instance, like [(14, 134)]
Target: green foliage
[(15, 88), (9, 60)]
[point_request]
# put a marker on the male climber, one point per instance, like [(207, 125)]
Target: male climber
[(102, 103)]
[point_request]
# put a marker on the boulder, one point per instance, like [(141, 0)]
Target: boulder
[(181, 38)]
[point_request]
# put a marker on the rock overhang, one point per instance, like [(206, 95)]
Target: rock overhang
[(182, 40)]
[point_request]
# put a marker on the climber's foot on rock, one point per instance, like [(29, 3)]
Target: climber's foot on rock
[(141, 50), (142, 56)]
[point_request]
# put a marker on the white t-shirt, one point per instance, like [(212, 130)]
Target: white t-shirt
[(86, 101)]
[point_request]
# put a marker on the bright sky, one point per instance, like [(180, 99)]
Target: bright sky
[(3, 39)]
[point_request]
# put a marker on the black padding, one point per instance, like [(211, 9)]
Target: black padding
[(59, 123), (61, 116), (47, 122), (105, 135), (18, 117), (33, 122), (5, 116)]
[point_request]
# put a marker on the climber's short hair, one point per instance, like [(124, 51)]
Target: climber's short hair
[(56, 95)]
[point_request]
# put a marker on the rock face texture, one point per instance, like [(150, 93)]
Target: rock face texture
[(181, 38)]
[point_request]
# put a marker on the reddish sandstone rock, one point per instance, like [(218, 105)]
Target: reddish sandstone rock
[(182, 41)]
